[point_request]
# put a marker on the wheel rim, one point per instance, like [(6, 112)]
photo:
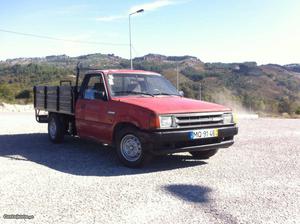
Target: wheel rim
[(52, 128), (131, 148)]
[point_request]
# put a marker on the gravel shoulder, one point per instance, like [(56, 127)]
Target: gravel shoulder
[(255, 181), (4, 107)]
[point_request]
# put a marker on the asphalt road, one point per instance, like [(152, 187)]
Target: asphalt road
[(255, 181)]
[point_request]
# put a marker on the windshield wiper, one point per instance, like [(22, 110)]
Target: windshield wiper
[(167, 94), (135, 93)]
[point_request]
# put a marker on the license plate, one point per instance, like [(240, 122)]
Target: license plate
[(204, 133)]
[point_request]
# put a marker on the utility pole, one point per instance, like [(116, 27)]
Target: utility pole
[(177, 77), (130, 48), (200, 90), (130, 44)]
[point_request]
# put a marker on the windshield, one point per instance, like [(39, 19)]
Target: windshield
[(140, 84)]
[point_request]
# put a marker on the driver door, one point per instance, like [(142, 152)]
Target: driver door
[(91, 109)]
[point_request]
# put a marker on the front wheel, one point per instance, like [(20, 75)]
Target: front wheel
[(131, 149), (204, 154), (56, 129)]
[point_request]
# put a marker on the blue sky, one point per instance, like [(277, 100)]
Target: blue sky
[(266, 31)]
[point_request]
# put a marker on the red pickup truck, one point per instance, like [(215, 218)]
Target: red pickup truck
[(139, 113)]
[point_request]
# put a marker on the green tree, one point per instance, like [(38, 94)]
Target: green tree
[(285, 105)]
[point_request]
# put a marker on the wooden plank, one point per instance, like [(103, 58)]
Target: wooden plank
[(55, 98)]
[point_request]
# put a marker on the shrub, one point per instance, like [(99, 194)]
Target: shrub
[(192, 73), (24, 94)]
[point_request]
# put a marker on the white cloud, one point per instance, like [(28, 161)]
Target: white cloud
[(150, 6)]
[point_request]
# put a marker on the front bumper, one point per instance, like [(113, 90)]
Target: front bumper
[(173, 141)]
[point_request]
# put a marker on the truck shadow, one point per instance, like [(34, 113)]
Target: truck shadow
[(80, 157), (201, 196), (190, 193)]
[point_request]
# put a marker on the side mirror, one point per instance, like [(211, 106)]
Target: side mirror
[(181, 93)]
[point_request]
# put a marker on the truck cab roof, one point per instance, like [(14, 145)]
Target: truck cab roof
[(123, 71)]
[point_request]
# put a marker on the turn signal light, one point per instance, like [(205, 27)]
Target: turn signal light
[(154, 122)]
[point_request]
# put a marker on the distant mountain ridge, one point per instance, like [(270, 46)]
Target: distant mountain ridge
[(293, 67), (269, 88)]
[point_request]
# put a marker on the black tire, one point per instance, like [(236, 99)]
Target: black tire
[(204, 154), (124, 136), (56, 128)]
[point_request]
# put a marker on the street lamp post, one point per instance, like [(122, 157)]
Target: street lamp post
[(130, 44)]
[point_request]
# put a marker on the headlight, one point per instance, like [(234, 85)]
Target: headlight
[(228, 118), (165, 121)]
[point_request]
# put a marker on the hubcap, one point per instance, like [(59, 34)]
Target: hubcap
[(131, 148), (52, 128)]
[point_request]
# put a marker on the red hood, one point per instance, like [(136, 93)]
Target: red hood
[(172, 104)]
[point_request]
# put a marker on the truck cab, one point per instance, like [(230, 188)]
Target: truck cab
[(140, 114)]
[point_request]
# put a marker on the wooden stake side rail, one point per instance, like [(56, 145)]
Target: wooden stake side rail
[(59, 99)]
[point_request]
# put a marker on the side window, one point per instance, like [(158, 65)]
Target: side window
[(94, 88)]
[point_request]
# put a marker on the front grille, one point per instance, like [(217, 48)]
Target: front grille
[(198, 119)]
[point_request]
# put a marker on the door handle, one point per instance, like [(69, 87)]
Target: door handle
[(111, 112)]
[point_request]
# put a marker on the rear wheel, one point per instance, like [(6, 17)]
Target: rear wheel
[(56, 129), (204, 154), (131, 148)]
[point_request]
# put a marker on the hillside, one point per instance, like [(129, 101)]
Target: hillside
[(267, 89)]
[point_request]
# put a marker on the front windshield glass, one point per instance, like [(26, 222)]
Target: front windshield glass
[(140, 84)]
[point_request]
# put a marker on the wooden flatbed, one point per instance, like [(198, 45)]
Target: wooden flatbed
[(58, 99)]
